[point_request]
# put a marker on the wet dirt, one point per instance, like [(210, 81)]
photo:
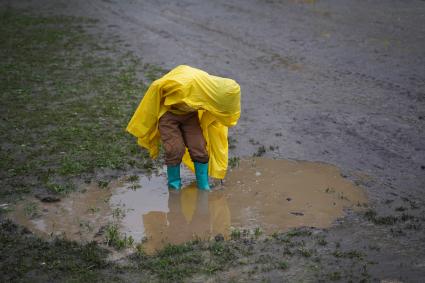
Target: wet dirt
[(355, 99), (78, 216), (270, 195)]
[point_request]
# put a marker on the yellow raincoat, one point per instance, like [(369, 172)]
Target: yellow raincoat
[(216, 99)]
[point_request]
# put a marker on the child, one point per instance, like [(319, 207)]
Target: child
[(190, 112)]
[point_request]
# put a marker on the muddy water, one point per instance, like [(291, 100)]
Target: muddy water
[(78, 217), (273, 195)]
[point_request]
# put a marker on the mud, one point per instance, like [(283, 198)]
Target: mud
[(260, 194), (78, 217), (340, 82)]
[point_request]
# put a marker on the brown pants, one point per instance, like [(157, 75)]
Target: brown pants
[(181, 131)]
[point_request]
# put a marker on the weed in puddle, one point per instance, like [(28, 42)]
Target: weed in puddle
[(118, 213), (234, 162), (235, 234), (103, 184), (115, 238), (31, 210), (260, 151), (135, 187), (258, 232), (133, 178)]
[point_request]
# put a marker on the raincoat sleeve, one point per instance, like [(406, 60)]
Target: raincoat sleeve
[(144, 123)]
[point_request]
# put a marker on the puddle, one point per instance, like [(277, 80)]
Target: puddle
[(78, 216), (273, 195)]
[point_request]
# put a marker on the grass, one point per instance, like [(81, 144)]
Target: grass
[(234, 162), (31, 210), (298, 233), (353, 254), (66, 98), (260, 151), (134, 187), (235, 234), (133, 178), (118, 213), (232, 142), (283, 265), (65, 103), (116, 239), (305, 252), (372, 216), (174, 263), (334, 276), (102, 184), (258, 232), (58, 259)]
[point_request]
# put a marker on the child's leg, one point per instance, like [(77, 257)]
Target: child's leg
[(195, 142), (194, 139), (174, 148), (172, 138)]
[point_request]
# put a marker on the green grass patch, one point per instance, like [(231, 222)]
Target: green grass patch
[(173, 263), (116, 239), (65, 102), (373, 217), (57, 260)]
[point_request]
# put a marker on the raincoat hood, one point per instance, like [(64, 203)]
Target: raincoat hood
[(217, 100)]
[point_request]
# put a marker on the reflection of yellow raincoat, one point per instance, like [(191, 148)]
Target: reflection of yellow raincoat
[(216, 98)]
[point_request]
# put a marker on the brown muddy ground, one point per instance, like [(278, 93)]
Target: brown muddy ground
[(341, 82)]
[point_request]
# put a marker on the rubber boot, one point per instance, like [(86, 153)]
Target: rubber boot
[(201, 172), (173, 175)]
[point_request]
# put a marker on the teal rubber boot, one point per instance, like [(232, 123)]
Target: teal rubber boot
[(173, 175), (201, 172)]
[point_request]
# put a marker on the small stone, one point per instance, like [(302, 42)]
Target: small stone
[(47, 198), (101, 231), (288, 199), (25, 230), (219, 238)]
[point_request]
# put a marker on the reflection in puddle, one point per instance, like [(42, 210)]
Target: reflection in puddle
[(274, 195), (192, 214)]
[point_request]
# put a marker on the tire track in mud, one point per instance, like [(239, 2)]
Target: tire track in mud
[(270, 56)]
